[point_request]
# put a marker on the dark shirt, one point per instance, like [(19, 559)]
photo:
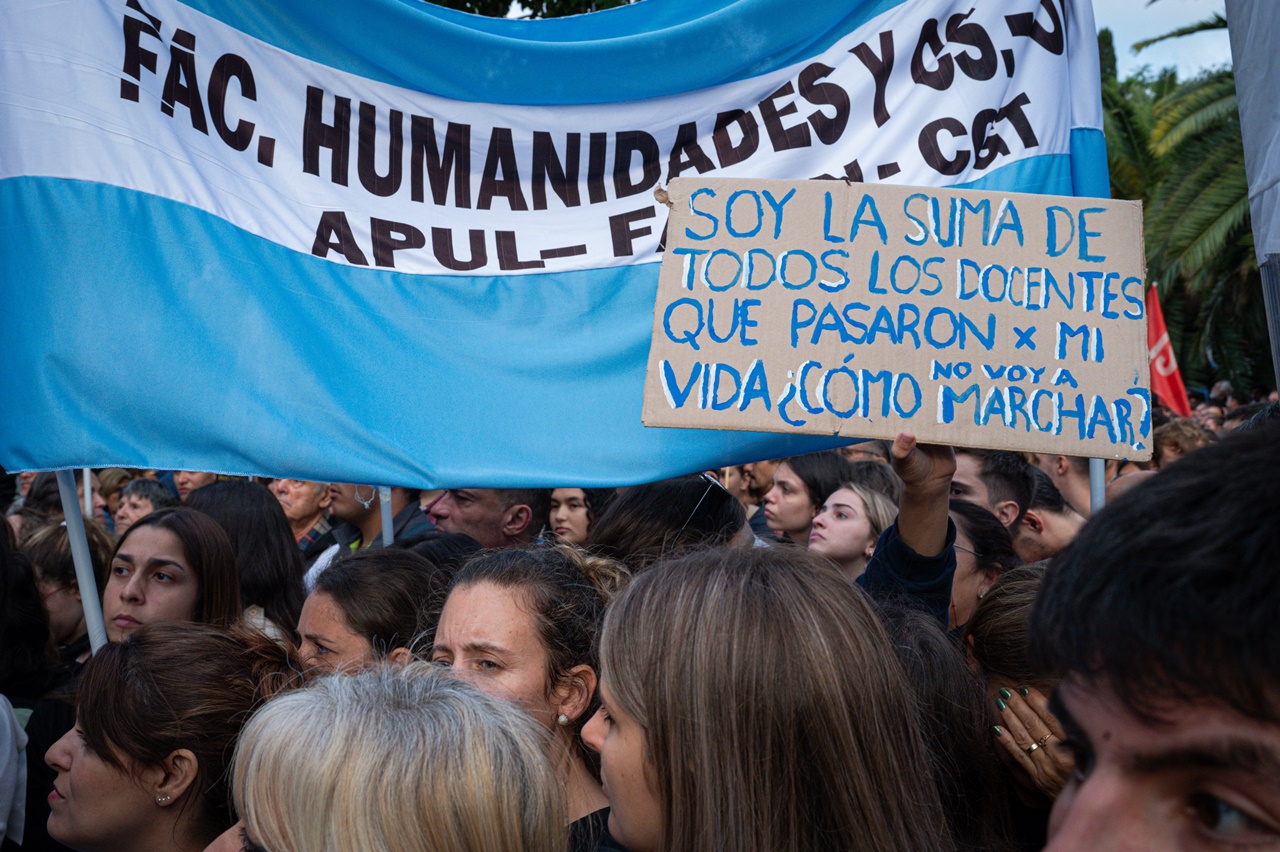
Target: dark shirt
[(591, 834), (760, 527), (51, 718), (897, 572)]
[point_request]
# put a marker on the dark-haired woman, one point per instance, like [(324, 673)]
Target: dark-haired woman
[(984, 551), (658, 519), (371, 605), (997, 637), (268, 560), (158, 714), (801, 485), (522, 625), (574, 510), (172, 565)]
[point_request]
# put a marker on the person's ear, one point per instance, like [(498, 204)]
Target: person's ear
[(1033, 522), (574, 693), (1061, 465), (870, 551), (400, 657), (74, 586), (516, 519), (172, 777), (326, 499), (1006, 511), (989, 577)]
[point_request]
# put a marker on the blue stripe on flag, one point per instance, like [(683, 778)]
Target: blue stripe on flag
[(217, 367), (1089, 173), (643, 50)]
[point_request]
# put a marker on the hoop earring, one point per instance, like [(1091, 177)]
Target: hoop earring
[(373, 495)]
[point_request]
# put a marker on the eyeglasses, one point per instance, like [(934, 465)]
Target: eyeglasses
[(712, 483), (976, 554)]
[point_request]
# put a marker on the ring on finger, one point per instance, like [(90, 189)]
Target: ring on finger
[(1043, 740), (1032, 747)]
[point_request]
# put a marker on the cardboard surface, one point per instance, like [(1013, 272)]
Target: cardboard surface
[(980, 319)]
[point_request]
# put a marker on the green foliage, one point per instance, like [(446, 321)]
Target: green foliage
[(1176, 146), (1107, 55)]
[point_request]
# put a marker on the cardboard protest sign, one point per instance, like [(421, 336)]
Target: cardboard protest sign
[(983, 319)]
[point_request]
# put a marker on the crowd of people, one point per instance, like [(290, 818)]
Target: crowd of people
[(893, 646)]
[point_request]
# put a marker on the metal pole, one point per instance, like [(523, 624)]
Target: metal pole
[(80, 557), (88, 494), (384, 496), (1271, 299), (1097, 485)]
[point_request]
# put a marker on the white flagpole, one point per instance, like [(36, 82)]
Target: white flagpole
[(384, 495), (88, 494), (80, 557), (1097, 485)]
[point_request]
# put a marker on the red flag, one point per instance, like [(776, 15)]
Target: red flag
[(1166, 380)]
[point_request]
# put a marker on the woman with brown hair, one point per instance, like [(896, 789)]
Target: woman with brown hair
[(522, 625), (1028, 734), (172, 565), (157, 718), (751, 701)]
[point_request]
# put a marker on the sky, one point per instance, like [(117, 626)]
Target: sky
[(1135, 20)]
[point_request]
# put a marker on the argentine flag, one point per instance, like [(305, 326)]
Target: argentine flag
[(382, 241)]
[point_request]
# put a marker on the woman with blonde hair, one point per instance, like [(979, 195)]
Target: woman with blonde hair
[(751, 701), (849, 524), (396, 759)]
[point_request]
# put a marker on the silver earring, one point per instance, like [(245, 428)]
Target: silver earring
[(160, 800), (562, 720)]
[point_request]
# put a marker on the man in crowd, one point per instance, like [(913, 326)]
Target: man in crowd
[(187, 481), (497, 518), (357, 509), (141, 497), (996, 480), (1070, 475), (1048, 525), (1161, 618), (305, 504), (759, 476)]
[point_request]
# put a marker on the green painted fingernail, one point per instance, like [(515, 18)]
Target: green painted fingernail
[(1023, 691), (1005, 694), (996, 728), (1000, 703)]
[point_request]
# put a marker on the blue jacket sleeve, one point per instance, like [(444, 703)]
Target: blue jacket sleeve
[(896, 571)]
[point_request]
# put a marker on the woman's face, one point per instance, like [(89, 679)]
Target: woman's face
[(787, 507), (734, 482), (969, 581), (487, 635), (94, 805), (569, 520), (635, 813), (842, 531), (66, 613), (328, 642), (187, 481), (150, 583)]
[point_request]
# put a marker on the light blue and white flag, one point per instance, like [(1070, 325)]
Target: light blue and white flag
[(381, 241)]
